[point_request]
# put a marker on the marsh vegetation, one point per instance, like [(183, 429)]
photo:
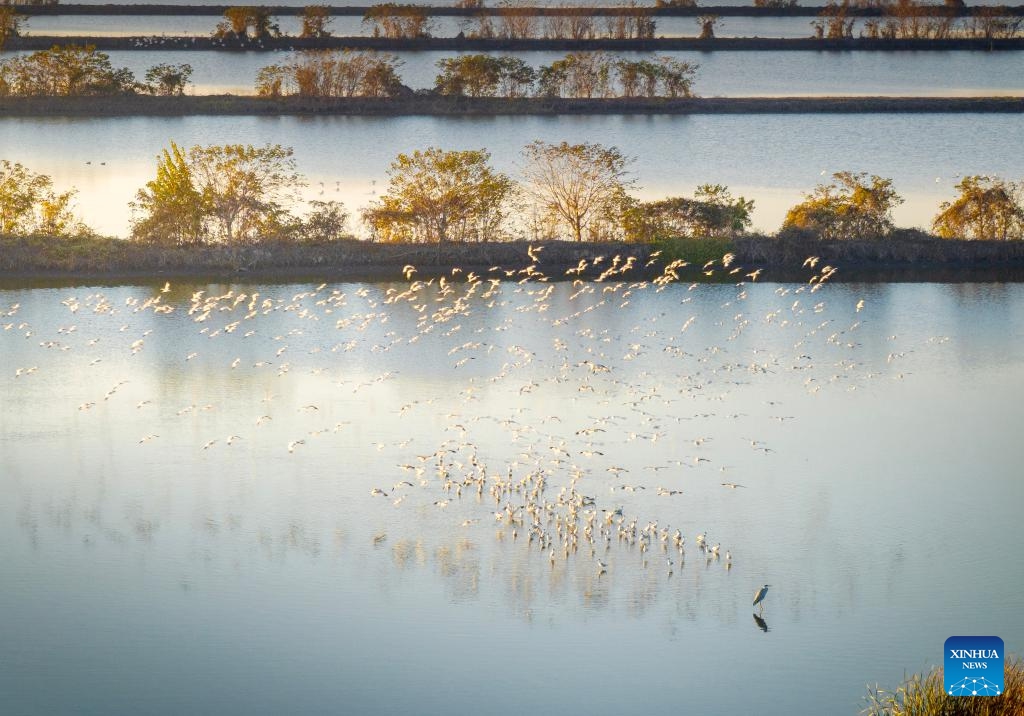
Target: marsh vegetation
[(244, 195)]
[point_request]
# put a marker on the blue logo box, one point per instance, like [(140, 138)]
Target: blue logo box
[(973, 666)]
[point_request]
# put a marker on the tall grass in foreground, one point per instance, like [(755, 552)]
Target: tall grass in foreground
[(925, 696)]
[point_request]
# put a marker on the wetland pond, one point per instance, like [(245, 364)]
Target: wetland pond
[(193, 520)]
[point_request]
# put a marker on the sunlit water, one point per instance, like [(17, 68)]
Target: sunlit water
[(152, 567), (439, 26), (772, 159), (346, 26)]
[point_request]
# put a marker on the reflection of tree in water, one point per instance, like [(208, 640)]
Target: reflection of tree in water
[(520, 588), (460, 567), (293, 537), (408, 553), (644, 591)]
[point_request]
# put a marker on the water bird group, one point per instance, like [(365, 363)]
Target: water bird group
[(589, 414)]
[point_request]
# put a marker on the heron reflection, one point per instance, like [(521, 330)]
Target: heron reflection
[(761, 623)]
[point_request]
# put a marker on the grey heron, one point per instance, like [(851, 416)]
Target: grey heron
[(761, 594)]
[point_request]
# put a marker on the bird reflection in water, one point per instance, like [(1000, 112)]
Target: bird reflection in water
[(761, 623)]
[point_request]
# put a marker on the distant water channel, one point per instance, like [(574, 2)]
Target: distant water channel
[(772, 159), (202, 26), (189, 522)]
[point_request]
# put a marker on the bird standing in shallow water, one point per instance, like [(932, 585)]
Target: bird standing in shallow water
[(761, 594)]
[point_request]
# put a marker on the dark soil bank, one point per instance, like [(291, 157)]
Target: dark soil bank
[(42, 42), (142, 105), (360, 10), (79, 260)]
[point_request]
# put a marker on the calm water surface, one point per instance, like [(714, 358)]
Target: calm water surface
[(170, 546), (773, 159), (346, 26)]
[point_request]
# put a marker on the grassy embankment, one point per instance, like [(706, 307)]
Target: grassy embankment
[(924, 695), (892, 259)]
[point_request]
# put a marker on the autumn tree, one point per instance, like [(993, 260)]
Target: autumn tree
[(597, 74), (711, 213), (396, 21), (469, 75), (707, 25), (437, 196), (515, 22), (833, 21), (663, 76), (576, 185), (484, 76), (676, 77), (326, 221), (994, 22), (516, 77), (261, 23), (576, 26), (237, 18), (315, 19), (247, 22), (64, 70), (988, 208), (217, 194), (332, 73), (10, 22), (244, 188), (909, 19), (29, 205), (170, 210), (853, 206), (270, 81), (381, 78), (630, 25), (168, 80), (478, 25), (580, 27), (578, 74)]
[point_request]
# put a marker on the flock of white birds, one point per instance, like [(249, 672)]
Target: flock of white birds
[(587, 426)]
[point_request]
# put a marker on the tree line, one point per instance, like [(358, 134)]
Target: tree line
[(516, 19), (347, 73), (897, 19), (510, 20), (239, 194), (73, 70), (333, 73), (408, 21), (907, 20)]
